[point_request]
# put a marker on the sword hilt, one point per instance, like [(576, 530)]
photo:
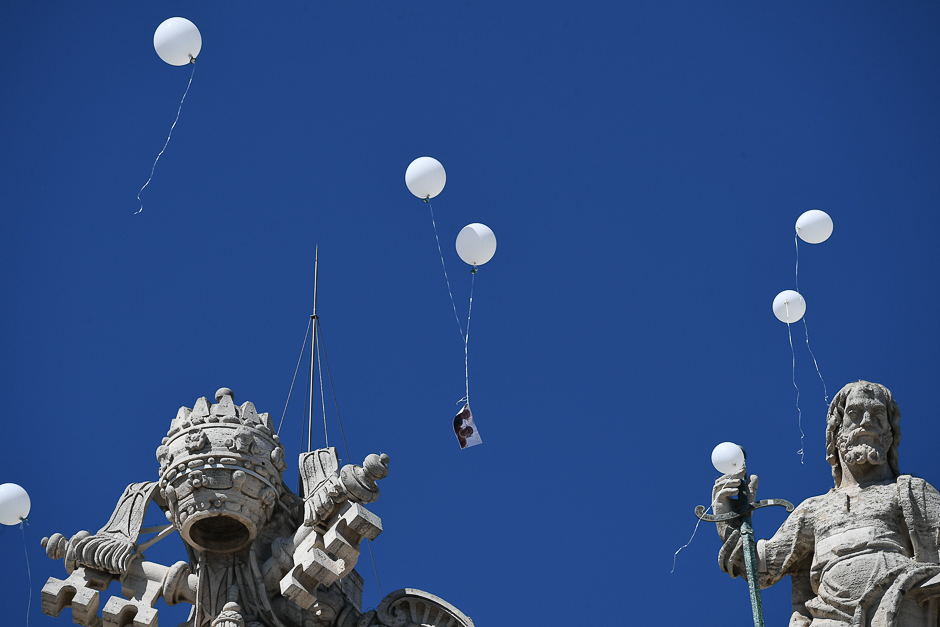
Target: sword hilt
[(750, 507)]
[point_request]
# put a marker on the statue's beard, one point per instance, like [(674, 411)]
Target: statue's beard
[(855, 453)]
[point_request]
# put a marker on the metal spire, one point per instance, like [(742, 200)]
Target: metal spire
[(313, 347)]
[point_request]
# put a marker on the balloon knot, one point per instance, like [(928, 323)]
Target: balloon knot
[(192, 59), (426, 199), (474, 271)]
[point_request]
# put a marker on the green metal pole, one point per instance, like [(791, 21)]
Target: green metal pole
[(743, 511), (750, 564)]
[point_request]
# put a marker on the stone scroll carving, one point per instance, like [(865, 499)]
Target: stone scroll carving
[(114, 545), (414, 608)]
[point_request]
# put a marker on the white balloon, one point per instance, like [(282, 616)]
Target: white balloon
[(727, 458), (789, 306), (177, 41), (476, 244), (425, 177), (814, 226), (14, 504)]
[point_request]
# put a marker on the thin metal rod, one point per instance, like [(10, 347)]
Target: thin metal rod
[(164, 532), (154, 529), (313, 350), (316, 263)]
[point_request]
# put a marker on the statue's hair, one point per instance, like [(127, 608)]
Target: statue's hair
[(834, 422)]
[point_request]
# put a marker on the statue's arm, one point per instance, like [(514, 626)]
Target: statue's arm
[(790, 550)]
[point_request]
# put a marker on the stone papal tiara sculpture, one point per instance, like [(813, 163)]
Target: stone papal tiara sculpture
[(258, 555)]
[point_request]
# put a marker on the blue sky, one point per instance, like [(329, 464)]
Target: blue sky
[(642, 166)]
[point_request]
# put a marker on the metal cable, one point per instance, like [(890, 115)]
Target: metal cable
[(329, 375), (303, 424), (381, 594), (316, 330), (303, 348), (345, 445)]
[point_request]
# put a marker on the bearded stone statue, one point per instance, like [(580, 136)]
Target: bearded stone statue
[(866, 552)]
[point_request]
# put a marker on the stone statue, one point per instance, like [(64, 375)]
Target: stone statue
[(866, 552), (258, 555)]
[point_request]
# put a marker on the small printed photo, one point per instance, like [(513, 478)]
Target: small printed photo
[(467, 432)]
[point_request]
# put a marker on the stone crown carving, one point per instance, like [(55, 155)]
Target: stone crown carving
[(220, 459)]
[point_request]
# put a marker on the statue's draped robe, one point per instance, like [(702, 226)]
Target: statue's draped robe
[(854, 557)]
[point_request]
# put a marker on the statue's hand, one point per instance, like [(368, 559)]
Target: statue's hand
[(728, 487)]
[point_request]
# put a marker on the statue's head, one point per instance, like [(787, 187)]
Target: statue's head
[(863, 427), (220, 473)]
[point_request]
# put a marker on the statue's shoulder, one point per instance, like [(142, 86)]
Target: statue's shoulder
[(919, 486), (919, 498), (811, 505)]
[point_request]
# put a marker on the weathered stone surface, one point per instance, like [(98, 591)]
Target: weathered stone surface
[(259, 556), (79, 592), (866, 552), (414, 607)]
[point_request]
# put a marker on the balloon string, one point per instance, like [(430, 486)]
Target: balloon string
[(29, 574), (697, 522), (466, 341), (825, 391), (447, 280), (798, 410), (796, 243), (154, 167)]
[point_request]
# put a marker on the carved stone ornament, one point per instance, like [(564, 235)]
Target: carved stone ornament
[(258, 555)]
